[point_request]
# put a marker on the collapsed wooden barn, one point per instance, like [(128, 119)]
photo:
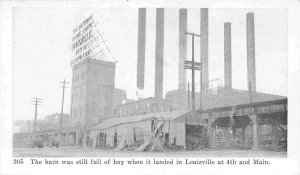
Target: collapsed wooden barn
[(134, 131)]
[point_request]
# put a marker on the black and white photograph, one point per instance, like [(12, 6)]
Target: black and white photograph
[(198, 84), (149, 81)]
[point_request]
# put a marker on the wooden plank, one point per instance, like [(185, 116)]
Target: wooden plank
[(248, 111), (143, 146), (238, 112), (225, 113), (204, 115), (262, 109), (277, 108), (215, 115)]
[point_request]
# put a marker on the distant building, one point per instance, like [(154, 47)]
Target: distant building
[(143, 106), (23, 126), (219, 97), (129, 100), (16, 129), (119, 96), (49, 122), (54, 120)]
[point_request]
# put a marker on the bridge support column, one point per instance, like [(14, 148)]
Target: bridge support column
[(275, 136), (255, 132), (94, 142), (84, 139), (67, 138), (234, 132), (228, 136), (212, 135), (259, 136), (77, 138), (245, 143)]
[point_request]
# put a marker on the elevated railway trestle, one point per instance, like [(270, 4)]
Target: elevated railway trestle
[(259, 125)]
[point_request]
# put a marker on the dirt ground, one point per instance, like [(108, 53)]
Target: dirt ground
[(88, 152)]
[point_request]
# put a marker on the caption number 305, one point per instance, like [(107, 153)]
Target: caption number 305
[(18, 161)]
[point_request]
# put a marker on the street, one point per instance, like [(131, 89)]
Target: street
[(88, 152)]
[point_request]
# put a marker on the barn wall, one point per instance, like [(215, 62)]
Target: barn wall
[(142, 129), (110, 132), (177, 130), (93, 137)]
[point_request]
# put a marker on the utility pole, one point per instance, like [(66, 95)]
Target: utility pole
[(36, 101), (62, 107), (194, 66), (189, 105), (201, 91)]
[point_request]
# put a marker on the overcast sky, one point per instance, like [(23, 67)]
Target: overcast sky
[(42, 51)]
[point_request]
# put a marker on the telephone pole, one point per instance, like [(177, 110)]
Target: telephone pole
[(201, 92), (189, 95), (36, 101), (193, 66), (62, 106)]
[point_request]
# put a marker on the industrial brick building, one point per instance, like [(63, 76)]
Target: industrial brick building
[(92, 91)]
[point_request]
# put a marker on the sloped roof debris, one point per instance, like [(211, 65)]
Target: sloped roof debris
[(167, 116)]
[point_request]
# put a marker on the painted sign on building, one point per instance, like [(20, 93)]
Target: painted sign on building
[(88, 43), (81, 40)]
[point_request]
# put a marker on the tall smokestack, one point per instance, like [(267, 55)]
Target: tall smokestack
[(159, 53), (182, 48), (141, 48), (251, 52), (227, 55), (204, 44)]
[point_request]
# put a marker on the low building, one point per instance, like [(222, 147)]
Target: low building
[(218, 97), (54, 120), (143, 106), (120, 96), (24, 126), (21, 126)]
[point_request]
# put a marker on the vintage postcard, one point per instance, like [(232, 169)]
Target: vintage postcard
[(145, 87)]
